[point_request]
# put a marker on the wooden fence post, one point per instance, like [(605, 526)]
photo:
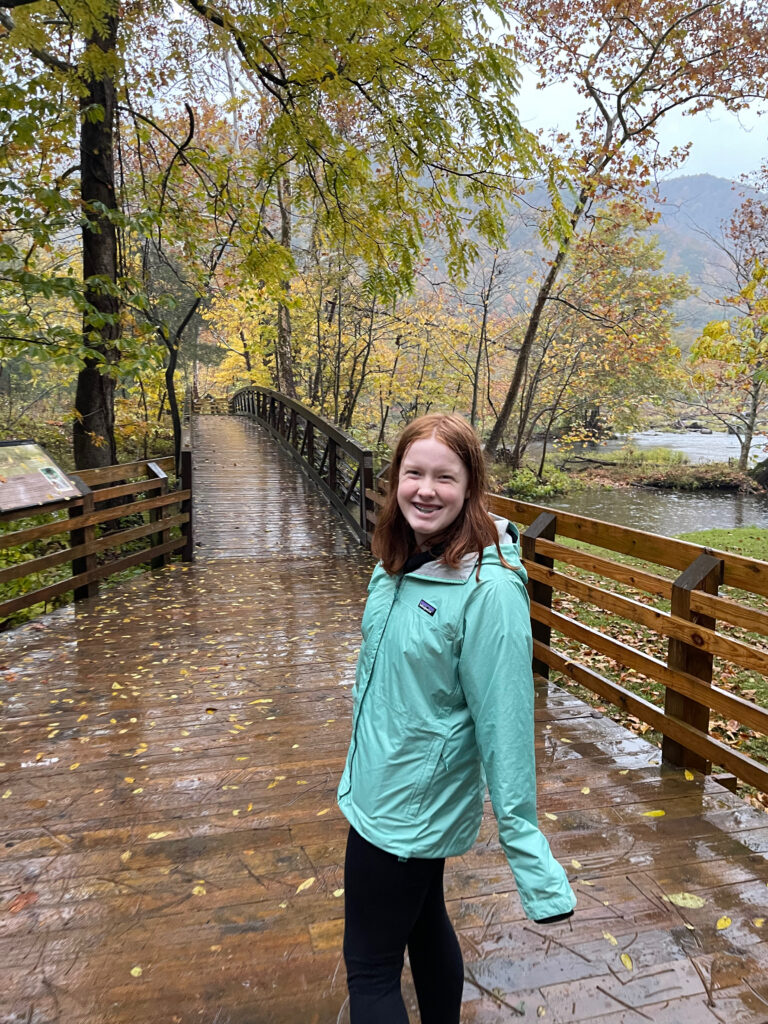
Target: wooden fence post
[(366, 484), (188, 551), (706, 574), (84, 535), (157, 515), (332, 465), (544, 526)]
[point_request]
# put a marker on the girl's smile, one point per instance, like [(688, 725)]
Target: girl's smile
[(432, 488)]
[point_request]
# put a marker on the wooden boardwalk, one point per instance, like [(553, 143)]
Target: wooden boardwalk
[(171, 851)]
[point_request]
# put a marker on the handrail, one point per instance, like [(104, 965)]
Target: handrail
[(701, 625), (130, 503), (319, 447)]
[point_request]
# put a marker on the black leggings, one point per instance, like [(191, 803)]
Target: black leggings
[(391, 904)]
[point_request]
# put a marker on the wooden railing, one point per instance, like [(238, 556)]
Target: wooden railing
[(695, 616), (120, 506), (340, 467)]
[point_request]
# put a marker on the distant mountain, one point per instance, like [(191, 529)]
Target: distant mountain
[(693, 212)]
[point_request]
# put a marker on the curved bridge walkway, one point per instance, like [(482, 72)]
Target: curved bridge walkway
[(170, 849)]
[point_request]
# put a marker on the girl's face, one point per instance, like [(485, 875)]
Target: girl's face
[(432, 488)]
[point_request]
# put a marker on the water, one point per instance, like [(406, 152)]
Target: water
[(667, 512), (700, 447), (674, 512)]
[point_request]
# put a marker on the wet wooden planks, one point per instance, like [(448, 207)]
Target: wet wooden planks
[(251, 501), (171, 850)]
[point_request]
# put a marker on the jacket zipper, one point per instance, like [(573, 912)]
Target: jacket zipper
[(367, 682)]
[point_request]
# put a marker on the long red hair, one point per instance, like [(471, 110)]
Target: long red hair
[(471, 531)]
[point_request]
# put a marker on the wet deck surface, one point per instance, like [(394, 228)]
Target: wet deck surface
[(171, 851)]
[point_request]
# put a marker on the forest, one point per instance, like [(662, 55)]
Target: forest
[(341, 201)]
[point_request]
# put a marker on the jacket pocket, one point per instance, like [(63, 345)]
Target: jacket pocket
[(422, 791)]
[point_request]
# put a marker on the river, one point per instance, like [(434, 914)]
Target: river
[(673, 512)]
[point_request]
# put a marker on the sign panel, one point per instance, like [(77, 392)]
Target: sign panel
[(29, 477)]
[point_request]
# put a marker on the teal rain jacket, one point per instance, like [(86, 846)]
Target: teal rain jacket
[(443, 701)]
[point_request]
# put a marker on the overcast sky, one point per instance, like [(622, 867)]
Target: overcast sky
[(723, 144)]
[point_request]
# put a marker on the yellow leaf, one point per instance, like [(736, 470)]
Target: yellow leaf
[(613, 941), (626, 959), (758, 922), (654, 814), (723, 923), (82, 718), (564, 739), (338, 892), (159, 835), (624, 771), (689, 775), (137, 971), (306, 884), (125, 856), (199, 890), (236, 812), (585, 790), (685, 899), (6, 794), (116, 686), (576, 863), (552, 817), (541, 1011), (138, 789), (324, 811)]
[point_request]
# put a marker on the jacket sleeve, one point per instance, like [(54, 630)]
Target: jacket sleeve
[(496, 677)]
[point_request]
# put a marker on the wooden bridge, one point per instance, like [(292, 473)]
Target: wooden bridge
[(171, 852)]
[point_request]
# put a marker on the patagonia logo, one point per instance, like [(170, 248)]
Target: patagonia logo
[(426, 607)]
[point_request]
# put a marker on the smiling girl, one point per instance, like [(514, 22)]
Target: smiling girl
[(443, 704)]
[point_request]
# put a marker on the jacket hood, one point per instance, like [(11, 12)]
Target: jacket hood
[(509, 541)]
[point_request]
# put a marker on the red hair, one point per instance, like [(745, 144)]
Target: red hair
[(471, 531)]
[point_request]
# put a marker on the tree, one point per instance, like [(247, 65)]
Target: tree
[(734, 354), (633, 62), (382, 120)]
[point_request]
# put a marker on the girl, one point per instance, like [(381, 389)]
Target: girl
[(443, 702)]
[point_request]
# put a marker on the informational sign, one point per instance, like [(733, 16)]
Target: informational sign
[(29, 477)]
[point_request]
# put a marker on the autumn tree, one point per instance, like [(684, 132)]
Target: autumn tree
[(381, 120), (605, 345), (633, 63)]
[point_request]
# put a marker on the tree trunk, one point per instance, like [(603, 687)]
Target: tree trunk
[(494, 440), (93, 434), (286, 382)]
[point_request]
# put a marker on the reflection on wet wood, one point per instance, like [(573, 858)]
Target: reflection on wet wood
[(171, 851)]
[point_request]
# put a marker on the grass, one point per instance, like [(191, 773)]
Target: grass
[(751, 685)]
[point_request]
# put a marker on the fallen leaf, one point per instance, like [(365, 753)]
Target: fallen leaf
[(685, 899), (552, 817), (689, 775), (159, 835), (23, 900), (626, 959), (613, 941), (306, 884), (654, 814), (576, 863), (585, 790), (137, 971), (324, 811), (199, 890), (758, 922), (723, 923), (340, 892), (126, 856)]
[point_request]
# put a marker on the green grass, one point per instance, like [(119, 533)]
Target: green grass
[(750, 541)]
